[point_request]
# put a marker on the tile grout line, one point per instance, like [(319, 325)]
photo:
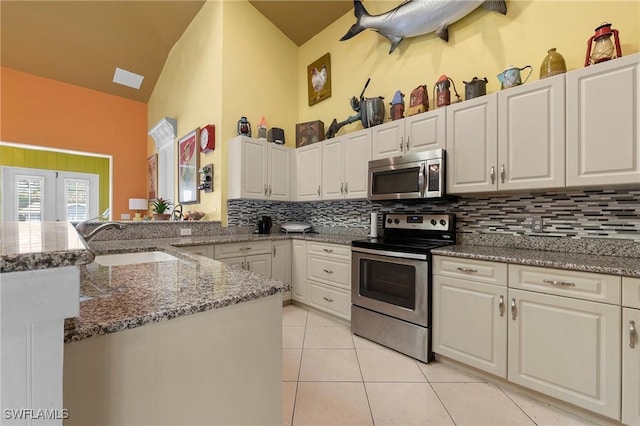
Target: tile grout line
[(366, 394)]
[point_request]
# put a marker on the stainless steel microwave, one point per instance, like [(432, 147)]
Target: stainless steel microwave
[(413, 176)]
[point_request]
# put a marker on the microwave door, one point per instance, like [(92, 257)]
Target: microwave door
[(398, 181)]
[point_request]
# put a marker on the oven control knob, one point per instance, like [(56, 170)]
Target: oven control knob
[(389, 221), (396, 221), (443, 222), (433, 222)]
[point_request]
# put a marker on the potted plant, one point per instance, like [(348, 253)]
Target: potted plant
[(159, 207)]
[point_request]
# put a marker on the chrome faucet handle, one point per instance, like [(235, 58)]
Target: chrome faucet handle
[(176, 213)]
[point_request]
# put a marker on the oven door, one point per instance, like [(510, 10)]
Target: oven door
[(394, 286)]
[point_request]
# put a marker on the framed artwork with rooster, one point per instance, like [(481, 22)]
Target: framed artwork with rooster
[(319, 79)]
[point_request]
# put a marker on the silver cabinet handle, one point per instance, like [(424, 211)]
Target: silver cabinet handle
[(274, 251), (328, 271), (346, 188), (513, 309), (559, 283), (467, 270), (501, 306), (244, 248), (248, 265), (318, 190), (269, 190), (633, 335), (242, 265), (327, 299), (328, 250), (342, 187), (492, 173), (502, 173), (265, 189), (401, 143), (407, 143)]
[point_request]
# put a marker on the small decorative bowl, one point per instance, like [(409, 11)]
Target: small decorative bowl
[(193, 215)]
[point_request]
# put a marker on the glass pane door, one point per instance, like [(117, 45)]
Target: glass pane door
[(392, 283)]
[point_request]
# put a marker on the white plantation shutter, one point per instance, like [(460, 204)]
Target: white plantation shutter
[(76, 196), (29, 194)]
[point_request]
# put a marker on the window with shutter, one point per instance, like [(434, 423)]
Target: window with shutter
[(29, 195), (76, 195)]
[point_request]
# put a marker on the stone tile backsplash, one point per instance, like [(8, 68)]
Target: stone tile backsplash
[(577, 214)]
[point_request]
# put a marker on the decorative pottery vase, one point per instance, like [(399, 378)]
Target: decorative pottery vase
[(161, 216), (553, 64)]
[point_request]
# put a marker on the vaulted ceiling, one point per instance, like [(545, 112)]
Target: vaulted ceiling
[(82, 42)]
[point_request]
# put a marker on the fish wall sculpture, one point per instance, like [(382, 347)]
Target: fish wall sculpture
[(417, 17)]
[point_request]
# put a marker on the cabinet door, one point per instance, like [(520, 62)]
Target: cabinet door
[(260, 264), (425, 131), (566, 348), (357, 153), (630, 367), (281, 261), (299, 270), (308, 172), (388, 139), (603, 112), (531, 135), (279, 173), (235, 261), (470, 323), (254, 169), (333, 169), (472, 145)]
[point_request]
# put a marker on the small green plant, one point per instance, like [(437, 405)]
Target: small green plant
[(160, 205)]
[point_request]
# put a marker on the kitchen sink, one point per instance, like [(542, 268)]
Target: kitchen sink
[(133, 258)]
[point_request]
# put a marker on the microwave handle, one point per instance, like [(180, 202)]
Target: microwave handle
[(422, 187)]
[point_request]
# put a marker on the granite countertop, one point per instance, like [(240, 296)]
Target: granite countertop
[(40, 245), (615, 265), (129, 296)]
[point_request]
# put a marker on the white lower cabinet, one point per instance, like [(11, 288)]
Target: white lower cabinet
[(299, 270), (566, 348), (258, 263), (252, 256), (630, 351), (205, 250), (281, 263), (554, 331), (470, 325), (328, 278)]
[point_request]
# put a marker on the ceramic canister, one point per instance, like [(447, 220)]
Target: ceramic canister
[(553, 64)]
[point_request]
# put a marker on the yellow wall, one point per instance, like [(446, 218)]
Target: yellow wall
[(482, 44), (231, 62), (60, 161)]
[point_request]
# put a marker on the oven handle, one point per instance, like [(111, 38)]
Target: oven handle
[(414, 256)]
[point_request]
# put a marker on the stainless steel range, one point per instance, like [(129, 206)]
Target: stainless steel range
[(391, 281)]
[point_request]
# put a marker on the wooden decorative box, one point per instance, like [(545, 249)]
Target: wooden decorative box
[(308, 133)]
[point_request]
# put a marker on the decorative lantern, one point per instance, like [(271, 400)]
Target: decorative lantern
[(442, 96), (603, 46)]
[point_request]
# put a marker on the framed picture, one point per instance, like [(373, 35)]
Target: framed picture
[(319, 80), (188, 164), (152, 177)]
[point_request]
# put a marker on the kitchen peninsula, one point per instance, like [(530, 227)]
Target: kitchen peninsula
[(219, 352)]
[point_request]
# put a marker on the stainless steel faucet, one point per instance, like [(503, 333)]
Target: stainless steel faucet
[(176, 213), (107, 225)]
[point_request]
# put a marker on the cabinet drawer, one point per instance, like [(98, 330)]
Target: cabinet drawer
[(333, 300), (330, 271), (335, 251), (581, 285), (203, 250), (242, 249), (631, 292), (476, 270)]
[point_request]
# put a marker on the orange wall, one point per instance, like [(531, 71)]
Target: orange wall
[(44, 112)]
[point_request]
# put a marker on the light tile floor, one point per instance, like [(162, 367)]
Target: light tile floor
[(331, 377)]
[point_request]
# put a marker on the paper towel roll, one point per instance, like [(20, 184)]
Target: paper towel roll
[(374, 225)]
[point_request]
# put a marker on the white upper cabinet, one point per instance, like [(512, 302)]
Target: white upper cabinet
[(258, 170), (603, 111), (308, 173), (531, 135), (417, 133), (472, 145), (345, 162)]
